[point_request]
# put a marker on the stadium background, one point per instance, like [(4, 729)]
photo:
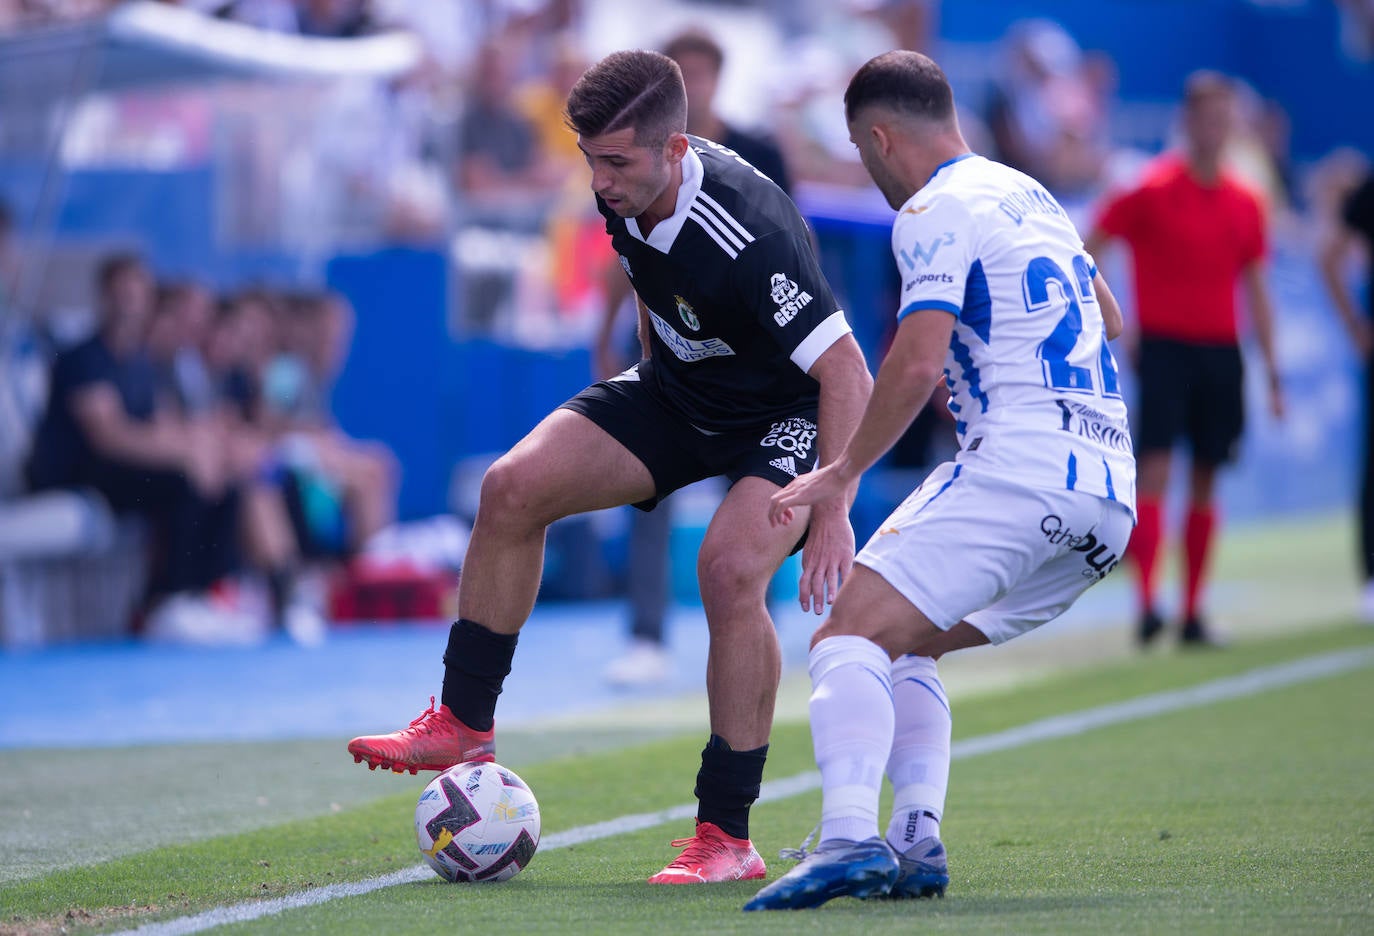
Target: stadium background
[(235, 158)]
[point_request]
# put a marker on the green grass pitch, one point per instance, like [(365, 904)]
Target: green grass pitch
[(1251, 815)]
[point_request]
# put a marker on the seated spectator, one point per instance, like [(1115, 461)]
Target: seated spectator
[(541, 102), (176, 333), (316, 333), (277, 361), (200, 400), (25, 376), (1047, 113), (499, 152), (701, 58), (101, 430)]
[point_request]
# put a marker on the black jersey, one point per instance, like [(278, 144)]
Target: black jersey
[(738, 305)]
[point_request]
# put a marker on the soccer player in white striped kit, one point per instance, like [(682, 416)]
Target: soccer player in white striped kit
[(1000, 299)]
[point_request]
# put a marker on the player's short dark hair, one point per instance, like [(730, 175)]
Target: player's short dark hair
[(1205, 84), (695, 42), (905, 81), (638, 89)]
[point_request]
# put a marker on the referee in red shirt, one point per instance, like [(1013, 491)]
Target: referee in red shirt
[(1193, 231)]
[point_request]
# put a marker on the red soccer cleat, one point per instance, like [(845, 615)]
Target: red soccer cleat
[(436, 740), (711, 856)]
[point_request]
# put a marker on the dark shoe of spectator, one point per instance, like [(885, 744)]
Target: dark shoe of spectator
[(1196, 634), (1149, 627)]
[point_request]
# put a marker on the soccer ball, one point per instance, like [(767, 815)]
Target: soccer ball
[(477, 822)]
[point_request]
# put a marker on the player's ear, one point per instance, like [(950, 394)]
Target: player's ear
[(882, 138), (675, 150)]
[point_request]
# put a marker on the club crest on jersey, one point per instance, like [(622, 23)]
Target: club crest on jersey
[(788, 296), (689, 318), (625, 265)]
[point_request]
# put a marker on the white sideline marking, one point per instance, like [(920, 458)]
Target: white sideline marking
[(1254, 682)]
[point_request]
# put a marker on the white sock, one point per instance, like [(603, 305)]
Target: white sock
[(851, 729), (919, 764)]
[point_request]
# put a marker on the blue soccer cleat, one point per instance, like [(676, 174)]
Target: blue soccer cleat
[(838, 868), (924, 870)]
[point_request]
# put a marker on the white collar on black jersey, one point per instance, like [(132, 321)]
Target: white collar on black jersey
[(665, 232)]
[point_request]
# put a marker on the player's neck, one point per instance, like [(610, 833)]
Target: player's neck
[(664, 205), (709, 127), (940, 154), (1205, 168)]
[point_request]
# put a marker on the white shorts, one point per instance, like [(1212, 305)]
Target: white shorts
[(966, 546)]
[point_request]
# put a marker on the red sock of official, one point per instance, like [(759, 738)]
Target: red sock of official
[(1144, 548), (1197, 546)]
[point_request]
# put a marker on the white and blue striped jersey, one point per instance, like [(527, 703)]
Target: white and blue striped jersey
[(1033, 385)]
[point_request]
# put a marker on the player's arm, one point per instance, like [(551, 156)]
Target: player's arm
[(643, 329), (1262, 317), (1334, 251), (906, 379), (845, 385), (1112, 319), (1096, 241), (606, 355), (780, 281), (1120, 215)]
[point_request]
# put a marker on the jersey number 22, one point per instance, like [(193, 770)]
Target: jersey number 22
[(1055, 350)]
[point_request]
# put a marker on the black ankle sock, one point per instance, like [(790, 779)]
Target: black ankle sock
[(727, 785), (278, 590), (476, 663)]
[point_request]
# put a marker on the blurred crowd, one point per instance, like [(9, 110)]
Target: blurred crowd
[(207, 418), (338, 18), (469, 145), (227, 392)]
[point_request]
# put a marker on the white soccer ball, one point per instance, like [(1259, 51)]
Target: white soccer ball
[(477, 822)]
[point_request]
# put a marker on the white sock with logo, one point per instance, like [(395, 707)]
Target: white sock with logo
[(851, 730), (919, 764)]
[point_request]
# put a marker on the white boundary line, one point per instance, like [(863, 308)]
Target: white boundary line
[(1250, 683)]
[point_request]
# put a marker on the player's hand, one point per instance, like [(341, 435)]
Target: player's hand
[(1277, 405), (811, 488), (828, 555)]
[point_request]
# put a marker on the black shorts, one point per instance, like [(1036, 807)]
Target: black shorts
[(1190, 391), (677, 453)]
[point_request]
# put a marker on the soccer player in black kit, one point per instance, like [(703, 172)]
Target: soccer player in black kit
[(750, 371)]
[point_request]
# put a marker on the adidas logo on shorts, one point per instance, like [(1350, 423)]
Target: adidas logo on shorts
[(786, 463)]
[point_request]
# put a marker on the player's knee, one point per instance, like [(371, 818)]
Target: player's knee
[(506, 491), (726, 577)]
